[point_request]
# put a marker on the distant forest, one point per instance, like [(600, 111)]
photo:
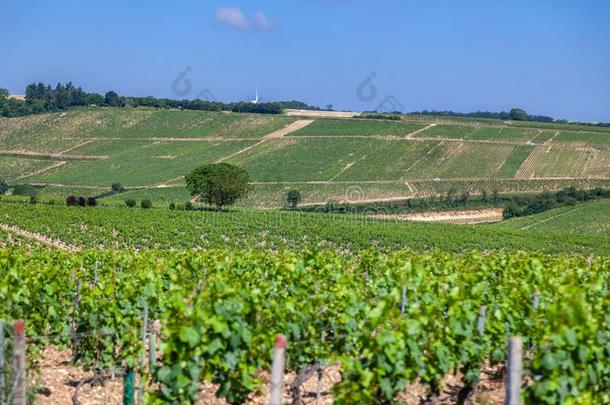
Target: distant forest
[(515, 114), (41, 98)]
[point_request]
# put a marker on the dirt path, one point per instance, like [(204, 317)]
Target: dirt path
[(295, 126), (321, 114), (56, 156), (78, 145), (61, 185), (546, 220), (462, 217), (239, 152), (43, 170), (412, 134), (40, 238), (274, 135), (550, 140)]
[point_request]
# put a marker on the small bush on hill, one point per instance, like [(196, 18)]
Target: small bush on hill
[(71, 201), (91, 201), (25, 190), (130, 203), (82, 201), (146, 203), (3, 186), (172, 206), (293, 198), (117, 187)]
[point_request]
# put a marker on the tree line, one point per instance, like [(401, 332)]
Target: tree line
[(515, 114), (42, 98)]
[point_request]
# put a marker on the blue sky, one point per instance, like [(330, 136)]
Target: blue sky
[(548, 56)]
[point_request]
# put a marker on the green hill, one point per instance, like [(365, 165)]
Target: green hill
[(330, 159), (588, 219), (161, 228)]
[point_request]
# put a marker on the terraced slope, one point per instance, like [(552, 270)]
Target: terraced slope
[(591, 218), (255, 229), (326, 159)]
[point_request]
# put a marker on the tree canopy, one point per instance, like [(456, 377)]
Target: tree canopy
[(518, 114), (294, 198), (218, 184)]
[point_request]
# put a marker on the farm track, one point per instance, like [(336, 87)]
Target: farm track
[(50, 156), (43, 170), (460, 217), (535, 224), (295, 126), (40, 238), (412, 134)]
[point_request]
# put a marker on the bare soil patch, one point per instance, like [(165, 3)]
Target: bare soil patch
[(295, 126), (58, 377), (45, 240), (321, 114), (462, 217)]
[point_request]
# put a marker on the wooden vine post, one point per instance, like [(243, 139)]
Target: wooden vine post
[(19, 371), (277, 371), (514, 373), (2, 365)]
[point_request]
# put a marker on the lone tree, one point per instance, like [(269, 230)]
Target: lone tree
[(517, 114), (294, 198), (3, 186), (218, 184)]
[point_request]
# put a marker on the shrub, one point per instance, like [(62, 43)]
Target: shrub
[(180, 207), (172, 206), (25, 190), (293, 198), (82, 201), (71, 201), (91, 201), (130, 203), (117, 187), (3, 186), (146, 203), (188, 206), (33, 199)]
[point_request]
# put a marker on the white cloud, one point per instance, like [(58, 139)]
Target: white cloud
[(236, 18), (232, 16), (262, 22)]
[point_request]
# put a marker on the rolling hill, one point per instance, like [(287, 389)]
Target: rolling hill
[(327, 159), (580, 220)]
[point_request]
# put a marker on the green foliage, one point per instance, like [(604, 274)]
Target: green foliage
[(573, 366), (293, 198), (218, 184), (3, 186), (220, 311), (518, 114), (25, 190), (146, 203), (113, 100), (130, 203), (118, 227), (117, 187)]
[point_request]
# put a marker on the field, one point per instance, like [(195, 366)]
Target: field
[(149, 150), (580, 220), (389, 324), (375, 309), (120, 228)]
